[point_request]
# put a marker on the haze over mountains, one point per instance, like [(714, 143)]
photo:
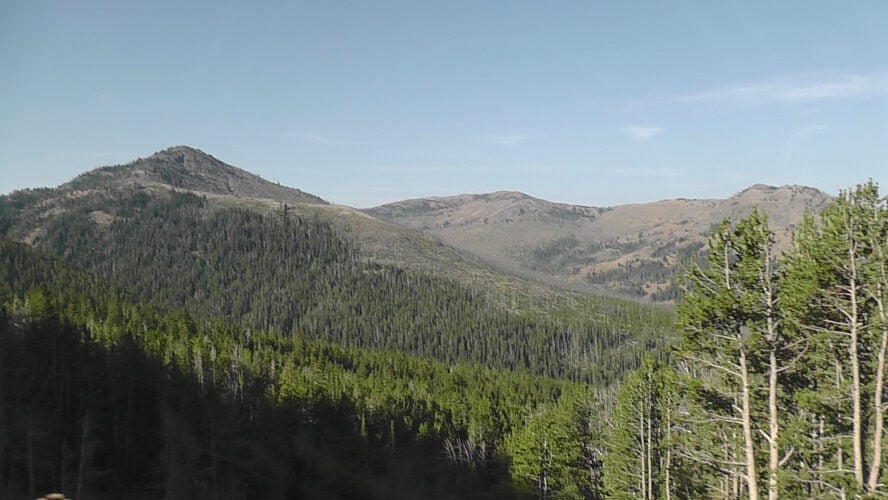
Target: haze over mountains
[(278, 346), (187, 230), (628, 249)]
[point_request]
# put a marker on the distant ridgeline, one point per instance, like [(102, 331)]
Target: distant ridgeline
[(281, 272), (194, 342)]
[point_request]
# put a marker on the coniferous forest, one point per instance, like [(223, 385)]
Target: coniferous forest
[(287, 273), (777, 385), (103, 397), (184, 349)]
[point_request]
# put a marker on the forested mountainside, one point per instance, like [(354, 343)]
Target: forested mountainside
[(278, 271), (104, 397), (775, 387), (177, 342), (271, 269), (631, 250)]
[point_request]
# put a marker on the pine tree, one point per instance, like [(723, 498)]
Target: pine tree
[(735, 350), (635, 464), (546, 452), (836, 278)]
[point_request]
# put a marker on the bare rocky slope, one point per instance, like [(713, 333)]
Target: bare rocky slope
[(629, 249), (188, 169)]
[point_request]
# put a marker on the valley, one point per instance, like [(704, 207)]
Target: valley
[(252, 339)]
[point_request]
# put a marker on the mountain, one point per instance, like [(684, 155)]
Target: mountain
[(251, 341), (182, 229), (629, 249), (24, 214), (188, 169)]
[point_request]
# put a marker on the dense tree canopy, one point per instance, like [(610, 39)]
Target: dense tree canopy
[(175, 348), (277, 271), (101, 395), (780, 372)]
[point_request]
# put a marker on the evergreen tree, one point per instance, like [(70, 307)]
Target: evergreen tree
[(837, 280), (735, 351), (546, 452), (632, 465)]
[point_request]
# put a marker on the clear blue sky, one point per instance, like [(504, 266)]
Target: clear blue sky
[(598, 103)]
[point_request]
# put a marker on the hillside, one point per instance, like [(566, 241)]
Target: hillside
[(121, 398), (321, 271), (630, 249), (188, 169), (25, 214), (200, 327)]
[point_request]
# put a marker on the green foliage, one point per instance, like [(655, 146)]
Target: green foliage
[(113, 396), (547, 452), (638, 447), (781, 368), (281, 272)]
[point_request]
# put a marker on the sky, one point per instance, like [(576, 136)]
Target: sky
[(362, 103)]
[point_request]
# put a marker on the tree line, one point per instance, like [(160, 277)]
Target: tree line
[(278, 271), (777, 387), (105, 396)]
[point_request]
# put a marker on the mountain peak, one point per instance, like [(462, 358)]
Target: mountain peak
[(185, 155), (508, 194), (190, 169), (781, 193), (182, 148)]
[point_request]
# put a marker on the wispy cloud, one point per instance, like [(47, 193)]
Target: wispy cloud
[(806, 133), (799, 143), (509, 140), (797, 88), (642, 133), (362, 147), (435, 155)]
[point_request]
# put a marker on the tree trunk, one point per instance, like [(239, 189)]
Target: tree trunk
[(876, 465), (2, 431), (668, 479), (544, 478), (773, 370), (773, 452), (642, 458), (748, 446), (857, 418), (668, 465), (86, 452), (650, 447)]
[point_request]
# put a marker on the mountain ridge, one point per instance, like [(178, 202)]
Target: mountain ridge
[(631, 249), (190, 169), (30, 215)]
